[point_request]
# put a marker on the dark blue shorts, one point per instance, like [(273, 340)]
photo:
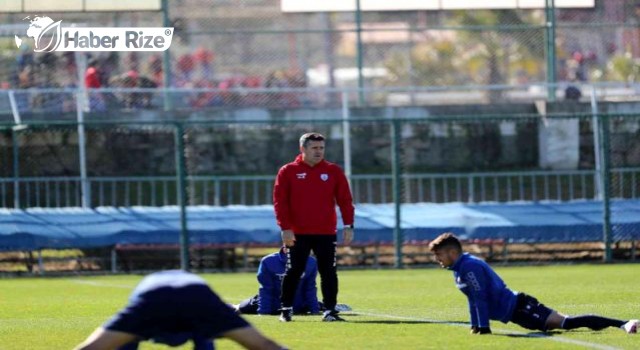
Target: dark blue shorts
[(530, 313), (171, 315)]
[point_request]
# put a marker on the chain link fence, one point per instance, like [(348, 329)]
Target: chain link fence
[(233, 160)]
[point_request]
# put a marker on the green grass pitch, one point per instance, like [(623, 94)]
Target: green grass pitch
[(393, 309)]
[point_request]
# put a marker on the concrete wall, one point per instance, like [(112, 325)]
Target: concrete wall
[(239, 147)]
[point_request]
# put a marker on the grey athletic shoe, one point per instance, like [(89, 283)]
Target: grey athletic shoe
[(332, 316)]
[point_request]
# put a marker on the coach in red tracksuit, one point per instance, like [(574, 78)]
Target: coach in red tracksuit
[(304, 198)]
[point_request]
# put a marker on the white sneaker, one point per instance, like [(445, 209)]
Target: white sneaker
[(235, 307), (631, 327), (285, 314)]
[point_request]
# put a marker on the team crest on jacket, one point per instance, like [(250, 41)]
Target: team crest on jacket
[(324, 177)]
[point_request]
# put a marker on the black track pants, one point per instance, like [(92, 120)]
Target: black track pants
[(324, 248)]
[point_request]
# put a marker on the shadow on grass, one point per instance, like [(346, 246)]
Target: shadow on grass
[(530, 334)]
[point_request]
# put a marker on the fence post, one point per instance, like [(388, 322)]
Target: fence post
[(397, 198), (114, 260), (15, 144), (40, 263), (596, 144), (550, 39), (470, 189), (15, 133), (166, 60), (359, 53), (182, 196), (346, 135), (82, 149), (605, 186), (216, 190), (245, 256)]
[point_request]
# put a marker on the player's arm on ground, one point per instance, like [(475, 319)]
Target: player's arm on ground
[(268, 300), (104, 339), (251, 339), (474, 315), (475, 278)]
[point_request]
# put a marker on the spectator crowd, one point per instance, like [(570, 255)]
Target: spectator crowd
[(126, 81)]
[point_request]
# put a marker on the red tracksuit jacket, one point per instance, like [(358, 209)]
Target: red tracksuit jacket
[(305, 197)]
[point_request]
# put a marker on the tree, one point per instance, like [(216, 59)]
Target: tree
[(482, 47)]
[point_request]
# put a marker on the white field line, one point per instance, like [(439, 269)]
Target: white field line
[(101, 284), (501, 331)]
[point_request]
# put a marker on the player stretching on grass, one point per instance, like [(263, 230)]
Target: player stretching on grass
[(270, 273), (173, 307), (489, 298)]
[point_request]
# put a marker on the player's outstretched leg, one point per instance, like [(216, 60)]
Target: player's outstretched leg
[(591, 321)]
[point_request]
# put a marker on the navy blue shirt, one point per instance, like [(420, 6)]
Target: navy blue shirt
[(173, 307), (270, 273), (488, 296)]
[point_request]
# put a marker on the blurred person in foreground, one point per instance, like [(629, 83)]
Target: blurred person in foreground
[(172, 308), (490, 299), (270, 274), (305, 195)]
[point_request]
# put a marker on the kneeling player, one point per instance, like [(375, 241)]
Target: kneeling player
[(270, 273), (173, 307), (489, 297)]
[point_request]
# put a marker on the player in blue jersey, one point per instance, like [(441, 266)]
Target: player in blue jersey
[(490, 299), (270, 274), (172, 308)]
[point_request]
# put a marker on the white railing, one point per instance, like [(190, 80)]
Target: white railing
[(256, 190)]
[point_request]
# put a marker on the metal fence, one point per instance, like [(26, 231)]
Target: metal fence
[(499, 158), (511, 186)]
